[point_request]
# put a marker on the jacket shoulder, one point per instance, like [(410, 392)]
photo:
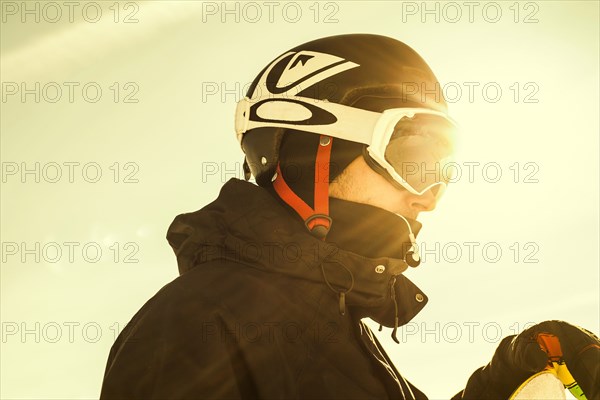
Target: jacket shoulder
[(173, 347)]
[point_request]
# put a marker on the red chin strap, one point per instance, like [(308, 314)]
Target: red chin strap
[(317, 221)]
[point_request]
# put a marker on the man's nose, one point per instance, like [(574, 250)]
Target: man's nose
[(425, 202)]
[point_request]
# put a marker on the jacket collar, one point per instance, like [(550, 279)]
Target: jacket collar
[(248, 225)]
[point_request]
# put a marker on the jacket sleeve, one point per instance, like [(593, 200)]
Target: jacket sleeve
[(176, 349)]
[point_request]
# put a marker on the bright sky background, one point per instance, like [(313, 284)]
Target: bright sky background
[(176, 60)]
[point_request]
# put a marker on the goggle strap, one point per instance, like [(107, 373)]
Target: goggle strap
[(351, 124), (296, 112)]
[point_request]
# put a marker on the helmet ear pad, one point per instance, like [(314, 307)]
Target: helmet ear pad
[(296, 152), (261, 146)]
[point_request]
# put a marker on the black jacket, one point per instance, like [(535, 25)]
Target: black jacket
[(257, 311)]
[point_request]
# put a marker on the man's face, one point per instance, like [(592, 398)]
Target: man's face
[(359, 183)]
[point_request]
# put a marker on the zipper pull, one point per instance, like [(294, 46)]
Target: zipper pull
[(342, 303), (393, 294)]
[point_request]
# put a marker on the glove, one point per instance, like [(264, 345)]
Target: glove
[(519, 357)]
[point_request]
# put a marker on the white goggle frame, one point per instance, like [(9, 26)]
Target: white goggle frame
[(354, 124)]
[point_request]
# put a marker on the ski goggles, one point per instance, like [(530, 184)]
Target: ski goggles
[(413, 146)]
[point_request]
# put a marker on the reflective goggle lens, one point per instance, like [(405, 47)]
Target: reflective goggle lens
[(420, 150)]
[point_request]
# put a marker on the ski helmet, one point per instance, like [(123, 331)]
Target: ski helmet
[(318, 106)]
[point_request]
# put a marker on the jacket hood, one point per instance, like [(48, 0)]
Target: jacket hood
[(246, 224)]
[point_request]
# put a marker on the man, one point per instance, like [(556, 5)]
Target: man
[(275, 279)]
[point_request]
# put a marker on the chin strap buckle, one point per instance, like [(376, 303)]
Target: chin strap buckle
[(318, 225)]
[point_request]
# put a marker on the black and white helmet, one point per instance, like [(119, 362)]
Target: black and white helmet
[(357, 91)]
